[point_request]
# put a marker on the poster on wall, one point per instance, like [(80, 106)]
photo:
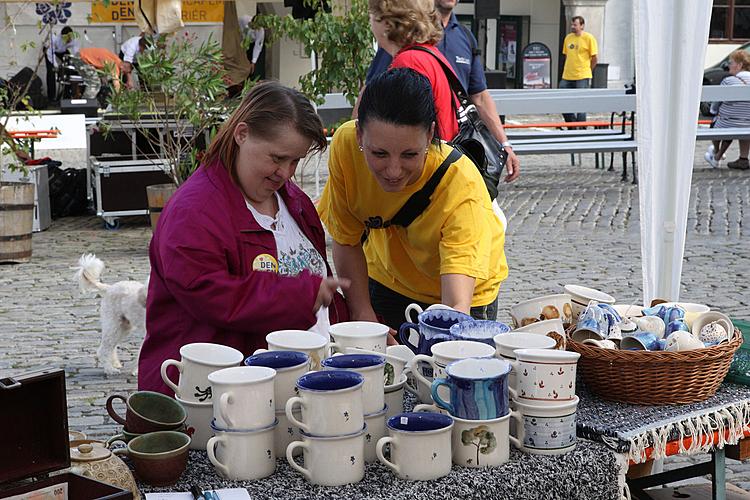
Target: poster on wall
[(508, 43), (123, 11), (536, 66)]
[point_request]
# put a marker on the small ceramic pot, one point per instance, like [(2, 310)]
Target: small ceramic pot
[(331, 402), (159, 458), (289, 366), (243, 455), (542, 309), (148, 411), (332, 460), (362, 334), (372, 369), (420, 445), (197, 361), (545, 429)]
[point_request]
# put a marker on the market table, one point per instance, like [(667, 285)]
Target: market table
[(639, 433)]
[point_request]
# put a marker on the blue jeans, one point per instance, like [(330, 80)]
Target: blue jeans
[(575, 84)]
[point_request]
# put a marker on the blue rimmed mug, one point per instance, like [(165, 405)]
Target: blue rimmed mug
[(372, 368), (478, 388), (289, 366), (433, 326), (477, 330)]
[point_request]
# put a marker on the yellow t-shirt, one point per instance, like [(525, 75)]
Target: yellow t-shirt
[(458, 233), (578, 52)]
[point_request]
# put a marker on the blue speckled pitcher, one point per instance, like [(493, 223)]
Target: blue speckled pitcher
[(478, 388)]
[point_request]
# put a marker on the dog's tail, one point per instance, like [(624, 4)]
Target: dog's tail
[(88, 271)]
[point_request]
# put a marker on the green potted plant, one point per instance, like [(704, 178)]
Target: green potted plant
[(182, 93)]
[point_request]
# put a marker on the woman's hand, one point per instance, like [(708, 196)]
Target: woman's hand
[(327, 288)]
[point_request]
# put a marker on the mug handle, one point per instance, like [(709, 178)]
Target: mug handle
[(412, 307), (560, 343), (290, 458), (403, 335), (337, 347), (112, 413), (514, 366), (379, 452), (166, 364), (210, 445), (226, 400), (517, 440), (436, 397), (289, 410), (413, 363), (116, 438), (427, 408)]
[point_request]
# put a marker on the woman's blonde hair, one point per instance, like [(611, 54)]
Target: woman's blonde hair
[(741, 57), (409, 21)]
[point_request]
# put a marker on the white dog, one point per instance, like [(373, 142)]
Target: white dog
[(122, 310)]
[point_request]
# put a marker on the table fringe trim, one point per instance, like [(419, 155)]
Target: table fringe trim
[(734, 418)]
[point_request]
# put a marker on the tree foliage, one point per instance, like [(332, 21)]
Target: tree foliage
[(341, 40)]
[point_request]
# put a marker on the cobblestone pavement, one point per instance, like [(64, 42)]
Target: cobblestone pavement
[(567, 224)]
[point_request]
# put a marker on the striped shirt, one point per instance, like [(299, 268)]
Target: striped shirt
[(734, 113)]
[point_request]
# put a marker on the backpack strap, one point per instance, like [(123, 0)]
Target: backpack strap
[(453, 81), (417, 202), (472, 42)]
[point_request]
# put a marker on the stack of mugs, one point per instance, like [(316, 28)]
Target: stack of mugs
[(193, 390), (244, 422)]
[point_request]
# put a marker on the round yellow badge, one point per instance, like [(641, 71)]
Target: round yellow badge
[(265, 262)]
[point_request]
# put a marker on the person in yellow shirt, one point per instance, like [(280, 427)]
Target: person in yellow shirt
[(580, 50), (453, 251)]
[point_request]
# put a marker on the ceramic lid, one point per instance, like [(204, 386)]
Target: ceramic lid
[(88, 451)]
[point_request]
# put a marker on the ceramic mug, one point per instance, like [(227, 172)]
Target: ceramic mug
[(545, 429), (580, 296), (478, 388), (683, 341), (159, 458), (243, 455), (198, 422), (444, 353), (507, 344), (414, 310), (289, 366), (243, 397), (433, 327), (371, 367), (545, 308), (394, 397), (642, 341), (312, 344), (394, 365), (375, 423), (545, 327), (331, 460), (197, 361), (545, 375), (148, 411), (420, 445), (478, 331), (286, 432), (366, 335), (599, 322), (477, 443), (331, 402)]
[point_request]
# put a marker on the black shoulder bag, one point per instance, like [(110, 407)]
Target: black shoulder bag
[(474, 139), (416, 204)]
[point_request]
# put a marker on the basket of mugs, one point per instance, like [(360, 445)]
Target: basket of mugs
[(664, 354)]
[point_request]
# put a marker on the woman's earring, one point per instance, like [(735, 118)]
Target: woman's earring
[(360, 148)]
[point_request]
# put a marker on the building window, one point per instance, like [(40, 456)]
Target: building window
[(730, 20)]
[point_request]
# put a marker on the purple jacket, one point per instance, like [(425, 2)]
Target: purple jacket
[(203, 287)]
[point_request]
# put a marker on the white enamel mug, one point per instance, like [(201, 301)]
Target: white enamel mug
[(371, 367), (332, 460), (545, 429), (420, 445), (331, 402), (243, 397), (366, 335), (394, 397), (198, 422), (544, 375), (286, 432), (197, 361), (310, 343), (243, 455), (444, 353), (375, 423)]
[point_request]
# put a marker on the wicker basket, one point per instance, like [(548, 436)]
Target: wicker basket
[(655, 377)]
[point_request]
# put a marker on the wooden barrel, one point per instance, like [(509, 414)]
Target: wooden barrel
[(16, 221), (158, 194)]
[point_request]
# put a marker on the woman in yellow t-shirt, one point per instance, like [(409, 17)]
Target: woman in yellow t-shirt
[(452, 253)]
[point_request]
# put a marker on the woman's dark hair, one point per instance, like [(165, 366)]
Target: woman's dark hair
[(267, 108), (400, 96)]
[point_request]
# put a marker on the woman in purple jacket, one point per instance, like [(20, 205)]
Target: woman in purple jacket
[(239, 250)]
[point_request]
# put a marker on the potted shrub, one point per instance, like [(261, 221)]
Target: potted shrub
[(183, 90)]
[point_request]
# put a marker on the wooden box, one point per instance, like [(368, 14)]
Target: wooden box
[(34, 439)]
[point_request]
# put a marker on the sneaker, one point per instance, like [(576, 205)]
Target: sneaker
[(739, 164), (709, 157)]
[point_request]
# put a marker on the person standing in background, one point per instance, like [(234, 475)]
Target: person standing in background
[(254, 38), (65, 43), (580, 51)]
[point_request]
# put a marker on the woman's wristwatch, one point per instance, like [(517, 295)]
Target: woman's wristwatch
[(507, 144)]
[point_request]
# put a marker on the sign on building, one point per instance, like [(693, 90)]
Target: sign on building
[(536, 66), (123, 11)]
